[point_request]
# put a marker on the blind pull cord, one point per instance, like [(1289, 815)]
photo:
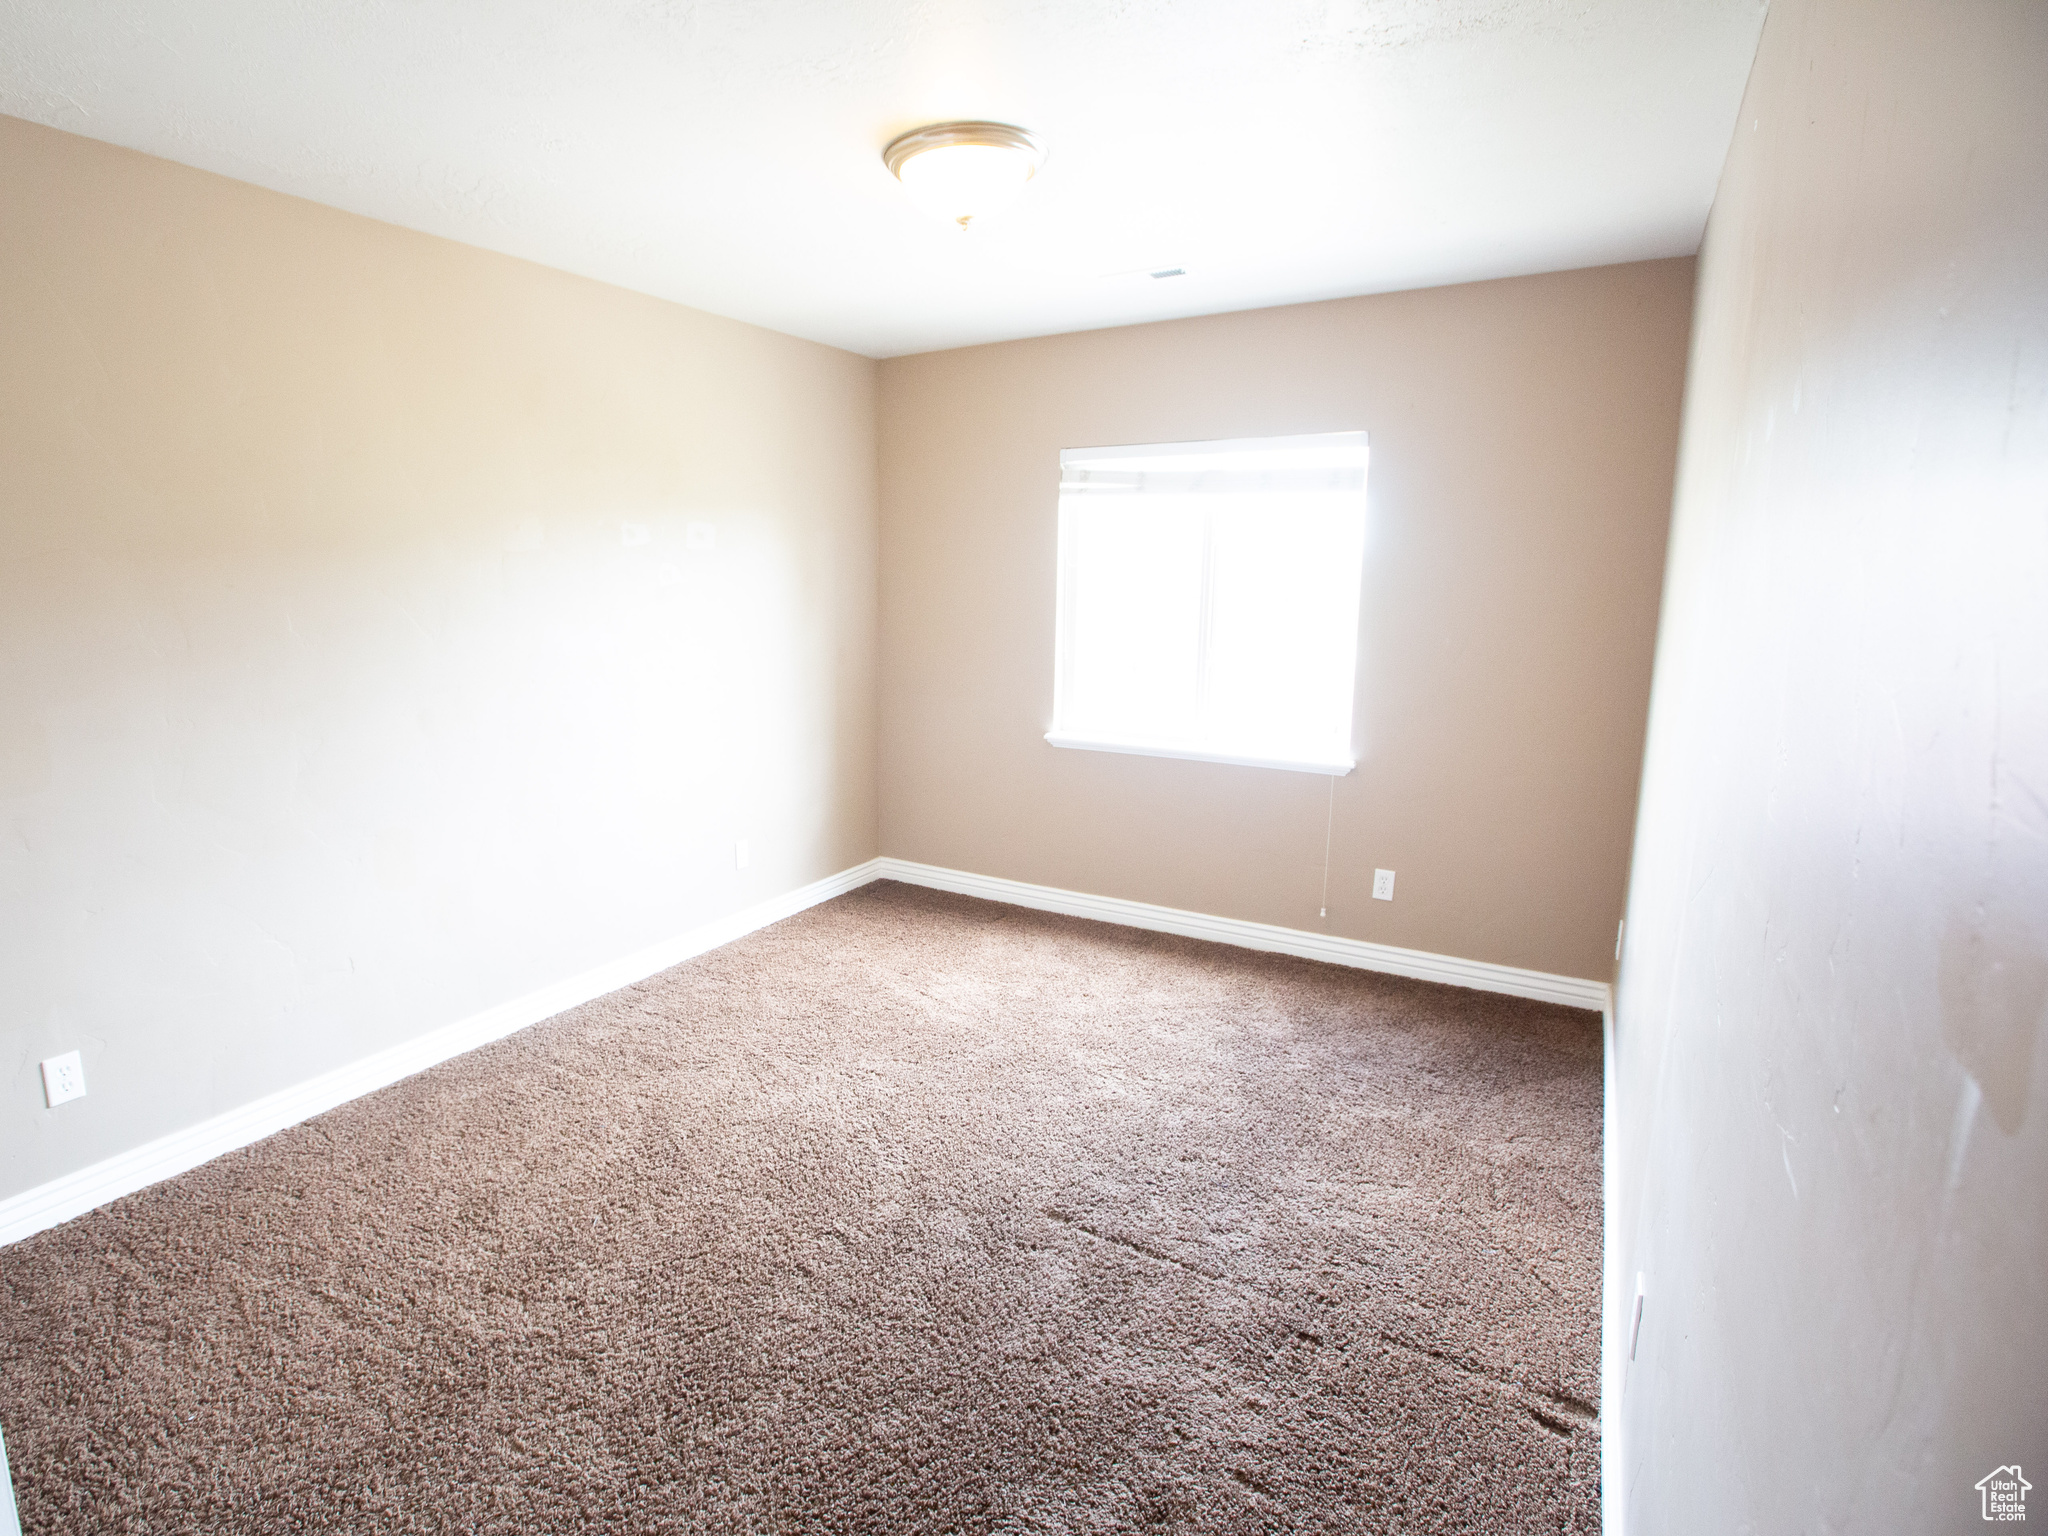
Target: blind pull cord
[(1329, 820)]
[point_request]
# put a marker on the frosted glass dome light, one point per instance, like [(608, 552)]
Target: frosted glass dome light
[(964, 171)]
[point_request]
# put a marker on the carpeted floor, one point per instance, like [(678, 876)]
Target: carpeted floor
[(910, 1214)]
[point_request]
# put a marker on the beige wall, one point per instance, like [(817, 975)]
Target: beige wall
[(1833, 1086), (334, 705), (1523, 435)]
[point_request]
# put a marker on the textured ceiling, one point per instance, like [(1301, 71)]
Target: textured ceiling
[(727, 155)]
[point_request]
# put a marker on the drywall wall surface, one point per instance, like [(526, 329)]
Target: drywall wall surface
[(387, 629), (1833, 1086), (1523, 435)]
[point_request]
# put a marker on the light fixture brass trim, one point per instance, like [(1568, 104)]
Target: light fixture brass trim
[(941, 135)]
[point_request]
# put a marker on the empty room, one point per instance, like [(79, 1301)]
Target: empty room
[(947, 766)]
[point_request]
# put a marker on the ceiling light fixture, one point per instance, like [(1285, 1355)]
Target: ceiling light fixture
[(964, 171)]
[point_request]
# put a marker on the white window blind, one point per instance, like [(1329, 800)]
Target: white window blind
[(1208, 599)]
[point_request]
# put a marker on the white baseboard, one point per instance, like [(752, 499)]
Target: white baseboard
[(1613, 1294), (10, 1522), (1481, 975), (47, 1205), (74, 1194)]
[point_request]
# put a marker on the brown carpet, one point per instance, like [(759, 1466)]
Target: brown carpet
[(910, 1214)]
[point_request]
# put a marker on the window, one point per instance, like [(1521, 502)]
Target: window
[(1208, 600)]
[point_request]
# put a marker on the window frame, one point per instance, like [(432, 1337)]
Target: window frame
[(1066, 554)]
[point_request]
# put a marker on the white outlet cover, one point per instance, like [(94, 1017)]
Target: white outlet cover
[(1383, 885), (700, 535), (63, 1079)]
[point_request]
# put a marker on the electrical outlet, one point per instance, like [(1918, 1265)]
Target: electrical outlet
[(741, 854), (63, 1079), (1383, 885)]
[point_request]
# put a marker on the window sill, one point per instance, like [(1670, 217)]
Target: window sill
[(1336, 767)]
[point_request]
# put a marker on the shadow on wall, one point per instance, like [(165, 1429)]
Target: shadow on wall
[(1994, 1004)]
